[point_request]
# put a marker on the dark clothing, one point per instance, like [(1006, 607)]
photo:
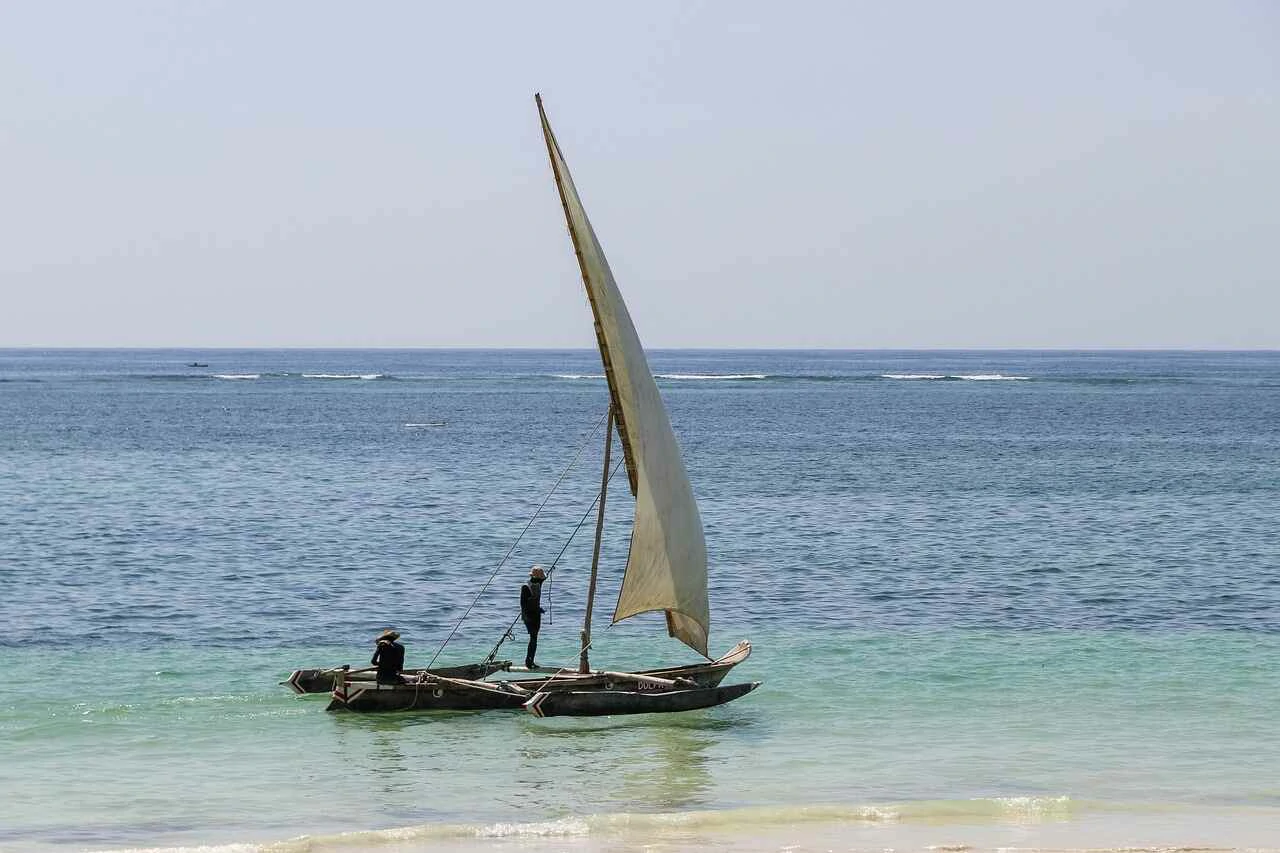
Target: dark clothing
[(389, 659), (531, 649), (530, 605), (531, 614)]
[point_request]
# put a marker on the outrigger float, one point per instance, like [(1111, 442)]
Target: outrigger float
[(666, 566)]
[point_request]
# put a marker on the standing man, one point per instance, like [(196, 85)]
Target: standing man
[(388, 657), (531, 610)]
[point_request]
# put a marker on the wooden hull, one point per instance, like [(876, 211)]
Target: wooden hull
[(428, 695), (608, 703), (323, 680), (437, 693)]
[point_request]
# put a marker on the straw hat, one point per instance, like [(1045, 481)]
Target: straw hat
[(538, 573), (389, 635)]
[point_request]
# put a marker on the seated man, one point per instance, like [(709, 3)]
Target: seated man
[(388, 657)]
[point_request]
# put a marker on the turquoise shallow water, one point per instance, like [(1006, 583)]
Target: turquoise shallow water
[(1032, 603)]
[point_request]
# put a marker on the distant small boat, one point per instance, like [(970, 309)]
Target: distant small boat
[(196, 364)]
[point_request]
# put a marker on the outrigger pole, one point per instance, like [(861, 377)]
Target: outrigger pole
[(584, 665)]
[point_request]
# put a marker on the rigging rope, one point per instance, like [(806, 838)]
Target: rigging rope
[(507, 635), (581, 448)]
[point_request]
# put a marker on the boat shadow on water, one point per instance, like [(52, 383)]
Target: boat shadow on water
[(677, 772), (652, 765), (400, 721), (652, 762)]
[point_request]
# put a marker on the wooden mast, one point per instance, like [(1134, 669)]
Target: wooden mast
[(584, 665)]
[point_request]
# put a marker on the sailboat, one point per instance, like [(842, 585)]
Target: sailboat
[(666, 567)]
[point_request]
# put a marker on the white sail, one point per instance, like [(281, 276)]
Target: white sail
[(667, 563)]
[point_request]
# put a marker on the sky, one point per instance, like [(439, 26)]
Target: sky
[(761, 174)]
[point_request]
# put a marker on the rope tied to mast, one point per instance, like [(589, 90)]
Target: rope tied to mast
[(509, 634), (581, 449)]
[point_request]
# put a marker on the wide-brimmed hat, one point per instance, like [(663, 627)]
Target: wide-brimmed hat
[(389, 635), (538, 572)]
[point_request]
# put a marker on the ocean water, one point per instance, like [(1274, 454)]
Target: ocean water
[(998, 600)]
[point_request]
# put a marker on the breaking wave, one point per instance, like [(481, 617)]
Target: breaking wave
[(680, 377), (712, 376), (973, 377), (358, 376), (727, 829), (639, 830), (365, 376)]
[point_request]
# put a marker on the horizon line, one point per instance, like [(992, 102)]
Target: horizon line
[(525, 348)]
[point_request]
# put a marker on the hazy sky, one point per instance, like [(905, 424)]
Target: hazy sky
[(761, 174)]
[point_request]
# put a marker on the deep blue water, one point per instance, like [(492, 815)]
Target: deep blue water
[(148, 501), (981, 551)]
